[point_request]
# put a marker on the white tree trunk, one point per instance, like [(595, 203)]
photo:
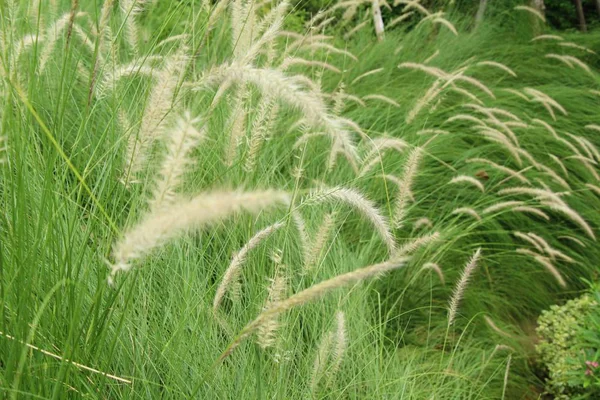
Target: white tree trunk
[(377, 20)]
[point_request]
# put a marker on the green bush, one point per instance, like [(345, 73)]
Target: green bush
[(569, 341)]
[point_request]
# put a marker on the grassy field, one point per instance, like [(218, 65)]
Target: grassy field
[(210, 202)]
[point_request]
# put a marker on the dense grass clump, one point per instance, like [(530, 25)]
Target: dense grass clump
[(198, 202)]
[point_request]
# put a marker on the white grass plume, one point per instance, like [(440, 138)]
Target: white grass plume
[(186, 215), (154, 118), (311, 294), (435, 267), (319, 241), (267, 332), (237, 262), (182, 140), (416, 243), (468, 179), (361, 204), (461, 286), (498, 65), (467, 211), (405, 191), (536, 13), (509, 171)]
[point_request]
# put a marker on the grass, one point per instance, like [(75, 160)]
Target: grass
[(64, 208)]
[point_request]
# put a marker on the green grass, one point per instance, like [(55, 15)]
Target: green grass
[(64, 208)]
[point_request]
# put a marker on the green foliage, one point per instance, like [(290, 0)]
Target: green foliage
[(565, 332)]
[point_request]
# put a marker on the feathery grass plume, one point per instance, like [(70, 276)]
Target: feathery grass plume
[(509, 171), (547, 126), (461, 286), (446, 23), (560, 164), (588, 148), (570, 61), (237, 123), (495, 327), (382, 98), (432, 57), (555, 203), (262, 126), (546, 263), (496, 136), (405, 190), (467, 211), (549, 250), (232, 274), (466, 117), (414, 244), (552, 174), (529, 239), (435, 267), (466, 93), (377, 147), (341, 343), (302, 232), (311, 294), (321, 238), (182, 141), (154, 118), (422, 222), (186, 215), (130, 9), (425, 100), (3, 148), (136, 68), (53, 35), (547, 37), (469, 180), (364, 206), (277, 85), (402, 17), (267, 332), (573, 239), (576, 46), (412, 4), (291, 61), (542, 97), (432, 132), (368, 73), (498, 65), (531, 210), (357, 28), (503, 205), (433, 71), (506, 371), (329, 48), (533, 11), (590, 186), (322, 359)]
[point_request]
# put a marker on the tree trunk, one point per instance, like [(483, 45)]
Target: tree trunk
[(377, 20), (580, 16), (481, 12), (598, 6), (537, 24)]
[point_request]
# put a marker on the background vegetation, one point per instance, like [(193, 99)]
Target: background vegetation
[(428, 130)]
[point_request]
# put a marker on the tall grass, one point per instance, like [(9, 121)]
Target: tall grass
[(221, 172)]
